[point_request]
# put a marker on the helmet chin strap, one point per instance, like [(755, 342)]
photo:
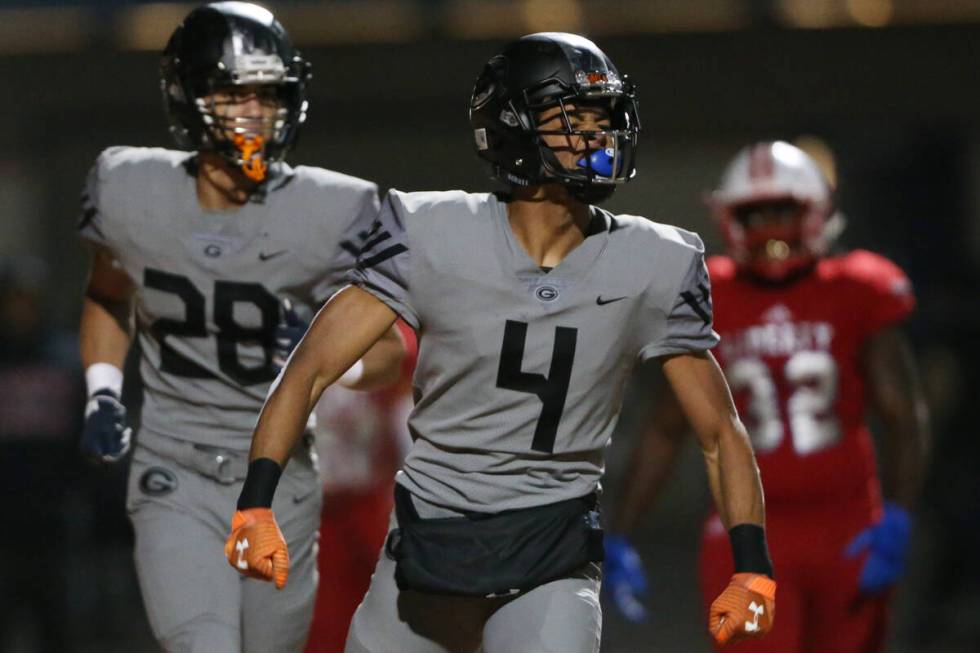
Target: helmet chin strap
[(600, 161), (250, 147), (591, 193)]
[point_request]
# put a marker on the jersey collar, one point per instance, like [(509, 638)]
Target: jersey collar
[(576, 264)]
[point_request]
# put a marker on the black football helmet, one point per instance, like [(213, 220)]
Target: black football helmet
[(218, 47), (545, 70)]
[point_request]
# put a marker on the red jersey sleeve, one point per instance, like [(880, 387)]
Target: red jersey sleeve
[(883, 294)]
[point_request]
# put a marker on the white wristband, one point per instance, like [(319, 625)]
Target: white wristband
[(103, 376), (353, 375)]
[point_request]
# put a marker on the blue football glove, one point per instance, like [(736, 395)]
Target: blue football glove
[(623, 577), (886, 543), (105, 436), (289, 332)]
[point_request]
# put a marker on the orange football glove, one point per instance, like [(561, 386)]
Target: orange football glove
[(746, 609), (256, 547)]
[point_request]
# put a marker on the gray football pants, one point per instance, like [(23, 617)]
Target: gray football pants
[(562, 616), (181, 514)]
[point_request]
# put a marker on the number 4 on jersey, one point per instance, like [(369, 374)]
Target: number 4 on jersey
[(551, 390)]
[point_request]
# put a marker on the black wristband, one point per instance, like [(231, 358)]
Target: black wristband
[(260, 484), (749, 549)]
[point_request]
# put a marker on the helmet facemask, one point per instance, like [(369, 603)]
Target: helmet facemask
[(246, 139), (250, 140), (776, 236), (603, 158)]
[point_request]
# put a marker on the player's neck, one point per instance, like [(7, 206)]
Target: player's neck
[(548, 222), (220, 185)]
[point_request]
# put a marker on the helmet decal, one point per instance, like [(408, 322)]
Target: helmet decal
[(761, 163)]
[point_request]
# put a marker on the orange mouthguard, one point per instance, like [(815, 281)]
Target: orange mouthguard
[(251, 148)]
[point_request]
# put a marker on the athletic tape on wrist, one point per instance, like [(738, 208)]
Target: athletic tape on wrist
[(750, 550), (260, 484), (103, 376)]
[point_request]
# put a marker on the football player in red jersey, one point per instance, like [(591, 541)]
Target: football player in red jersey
[(809, 342)]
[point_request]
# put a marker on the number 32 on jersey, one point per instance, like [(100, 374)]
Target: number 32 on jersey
[(811, 377)]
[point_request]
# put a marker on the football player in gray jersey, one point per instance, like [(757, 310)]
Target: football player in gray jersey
[(532, 309), (203, 246)]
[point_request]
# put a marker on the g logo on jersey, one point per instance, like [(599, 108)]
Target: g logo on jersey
[(157, 481), (546, 293)]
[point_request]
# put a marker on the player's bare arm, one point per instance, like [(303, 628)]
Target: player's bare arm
[(340, 335), (105, 333), (380, 367), (745, 609), (897, 399), (705, 400)]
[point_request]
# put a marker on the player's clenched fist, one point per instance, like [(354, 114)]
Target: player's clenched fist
[(744, 610), (256, 546)]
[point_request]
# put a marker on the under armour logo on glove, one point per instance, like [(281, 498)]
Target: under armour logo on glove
[(744, 610), (757, 611), (240, 546), (105, 436), (260, 547)]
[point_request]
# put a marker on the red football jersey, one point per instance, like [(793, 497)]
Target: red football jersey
[(792, 355)]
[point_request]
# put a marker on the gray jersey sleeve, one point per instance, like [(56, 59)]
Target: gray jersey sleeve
[(688, 326), (93, 224), (382, 266)]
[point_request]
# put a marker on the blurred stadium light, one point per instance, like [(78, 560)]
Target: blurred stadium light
[(47, 29), (28, 26), (148, 26), (871, 13)]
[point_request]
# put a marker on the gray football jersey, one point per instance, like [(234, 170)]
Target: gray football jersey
[(209, 284), (521, 372)]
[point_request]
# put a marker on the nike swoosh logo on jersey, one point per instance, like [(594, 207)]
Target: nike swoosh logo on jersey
[(602, 302), (265, 257)]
